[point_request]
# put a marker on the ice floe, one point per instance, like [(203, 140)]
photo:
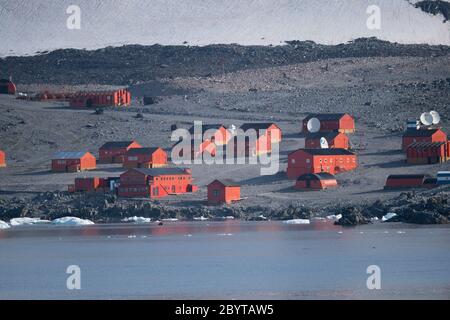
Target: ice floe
[(202, 218), (27, 221), (137, 219), (170, 220), (4, 225), (297, 221), (72, 221)]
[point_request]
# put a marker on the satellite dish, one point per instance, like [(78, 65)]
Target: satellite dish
[(436, 117), (323, 143), (313, 125), (426, 119)]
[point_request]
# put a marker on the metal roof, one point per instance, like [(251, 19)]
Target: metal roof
[(161, 171), (69, 154), (420, 133), (316, 176), (116, 144), (227, 182), (256, 125), (426, 145), (325, 116), (327, 152), (136, 151), (408, 176)]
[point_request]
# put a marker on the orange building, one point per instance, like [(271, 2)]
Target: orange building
[(333, 161), (341, 122), (145, 158), (422, 135), (115, 151), (428, 152), (73, 162), (316, 181), (2, 159), (334, 140), (115, 98), (223, 191), (267, 134), (217, 134), (155, 183), (405, 181)]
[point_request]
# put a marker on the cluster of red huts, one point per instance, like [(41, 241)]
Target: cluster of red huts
[(93, 99), (314, 167)]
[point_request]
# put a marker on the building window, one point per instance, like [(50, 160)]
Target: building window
[(215, 193), (293, 161), (308, 160), (156, 191), (173, 189)]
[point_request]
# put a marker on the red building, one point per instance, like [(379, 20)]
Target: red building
[(198, 150), (266, 135), (115, 98), (334, 140), (316, 181), (155, 183), (333, 161), (423, 135), (341, 122), (73, 162), (428, 152), (404, 181), (223, 191), (7, 87), (145, 158), (217, 133), (115, 151), (2, 159)]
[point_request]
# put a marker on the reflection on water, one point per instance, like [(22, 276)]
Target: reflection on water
[(229, 259)]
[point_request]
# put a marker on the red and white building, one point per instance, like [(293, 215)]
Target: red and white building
[(156, 182), (333, 161), (334, 139)]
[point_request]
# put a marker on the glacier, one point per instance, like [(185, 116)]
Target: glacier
[(28, 27)]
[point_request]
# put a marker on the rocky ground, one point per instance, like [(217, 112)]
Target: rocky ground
[(382, 88)]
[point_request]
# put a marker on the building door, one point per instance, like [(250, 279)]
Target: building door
[(308, 183), (89, 103)]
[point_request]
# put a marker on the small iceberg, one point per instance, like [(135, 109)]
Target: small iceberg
[(27, 221), (225, 234), (389, 216), (72, 221), (170, 220), (4, 225), (136, 219), (297, 221), (229, 218), (202, 218), (334, 217)]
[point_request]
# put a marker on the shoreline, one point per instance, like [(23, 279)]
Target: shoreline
[(429, 207)]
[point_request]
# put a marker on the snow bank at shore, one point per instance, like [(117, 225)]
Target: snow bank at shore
[(27, 221), (4, 225), (72, 221), (137, 219)]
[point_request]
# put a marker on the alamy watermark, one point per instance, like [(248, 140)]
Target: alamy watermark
[(73, 282), (73, 22), (374, 280), (373, 22)]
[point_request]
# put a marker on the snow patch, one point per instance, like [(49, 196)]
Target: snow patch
[(388, 216), (334, 217), (202, 218), (72, 221)]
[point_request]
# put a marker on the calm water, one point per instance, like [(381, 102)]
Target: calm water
[(263, 260)]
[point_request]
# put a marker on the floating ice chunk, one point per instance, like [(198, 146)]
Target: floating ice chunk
[(389, 216), (137, 219), (72, 221), (374, 219), (170, 219), (4, 225), (401, 232), (229, 217), (297, 221), (335, 217), (225, 234), (202, 218), (27, 221), (131, 236)]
